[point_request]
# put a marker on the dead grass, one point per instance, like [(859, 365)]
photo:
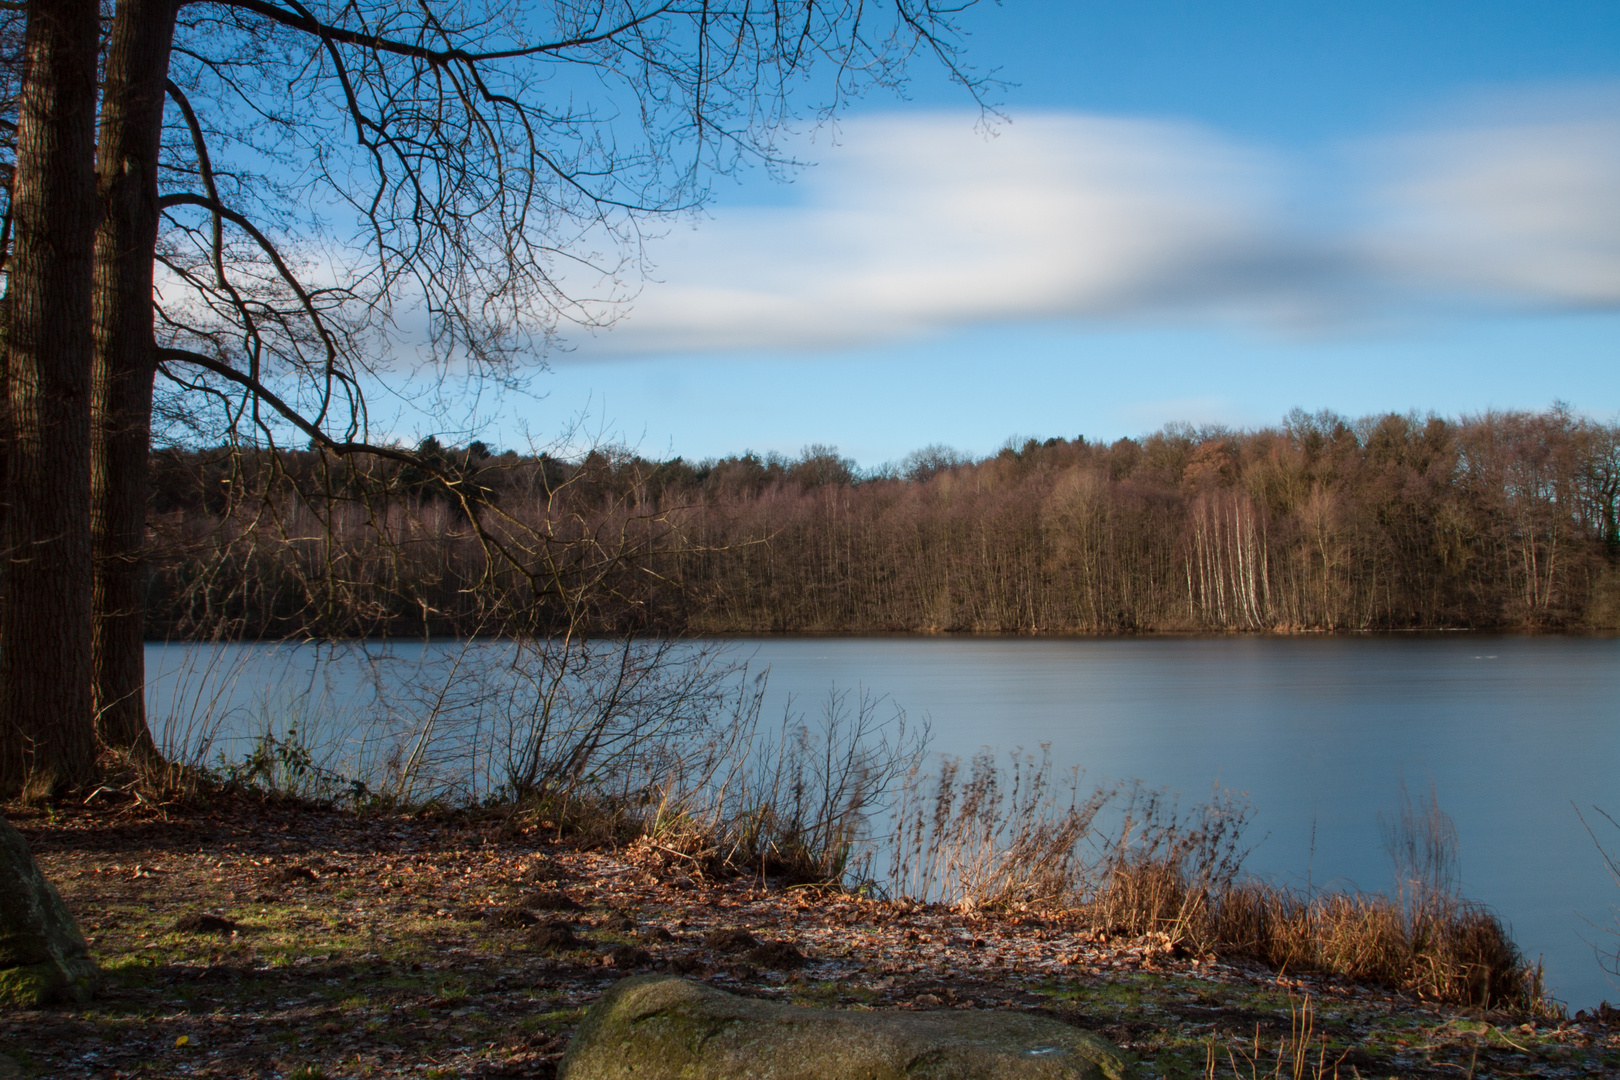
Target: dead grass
[(1451, 950), (1010, 835), (992, 837), (842, 799), (1300, 1055), (384, 944)]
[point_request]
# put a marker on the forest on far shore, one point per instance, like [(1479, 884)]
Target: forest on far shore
[(1506, 520)]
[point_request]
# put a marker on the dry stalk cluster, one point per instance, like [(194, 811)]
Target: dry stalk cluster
[(637, 743), (1300, 1055), (991, 836), (797, 803), (1446, 949), (1012, 834), (617, 740)]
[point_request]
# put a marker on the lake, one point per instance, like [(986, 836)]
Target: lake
[(1321, 733)]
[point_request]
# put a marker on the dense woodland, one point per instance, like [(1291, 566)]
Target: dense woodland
[(1498, 521)]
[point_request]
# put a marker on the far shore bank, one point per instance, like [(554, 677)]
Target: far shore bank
[(949, 635)]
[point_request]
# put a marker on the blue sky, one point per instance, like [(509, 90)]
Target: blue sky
[(1206, 211)]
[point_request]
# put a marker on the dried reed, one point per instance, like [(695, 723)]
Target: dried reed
[(1301, 1055), (990, 837), (1011, 834), (625, 746)]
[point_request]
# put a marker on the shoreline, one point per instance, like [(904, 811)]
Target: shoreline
[(383, 945), (947, 635)]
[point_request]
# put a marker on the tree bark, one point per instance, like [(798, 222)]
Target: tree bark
[(121, 410), (47, 729)]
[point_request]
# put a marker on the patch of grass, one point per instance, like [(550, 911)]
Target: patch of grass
[(833, 994), (556, 1020)]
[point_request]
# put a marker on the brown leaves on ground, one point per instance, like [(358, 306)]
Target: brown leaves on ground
[(274, 938)]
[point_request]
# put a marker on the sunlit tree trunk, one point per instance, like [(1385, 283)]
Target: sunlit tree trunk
[(48, 740)]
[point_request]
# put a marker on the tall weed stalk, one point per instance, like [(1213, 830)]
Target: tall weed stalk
[(992, 836)]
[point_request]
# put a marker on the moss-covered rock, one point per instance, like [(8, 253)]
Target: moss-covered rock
[(658, 1027), (43, 957)]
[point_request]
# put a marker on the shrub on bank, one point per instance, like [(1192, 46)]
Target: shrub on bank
[(691, 776)]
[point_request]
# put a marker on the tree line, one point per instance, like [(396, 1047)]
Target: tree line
[(1506, 520)]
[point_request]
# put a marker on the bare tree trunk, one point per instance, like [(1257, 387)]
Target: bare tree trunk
[(47, 740), (121, 411)]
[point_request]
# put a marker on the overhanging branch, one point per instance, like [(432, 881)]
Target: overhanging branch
[(287, 412), (301, 19)]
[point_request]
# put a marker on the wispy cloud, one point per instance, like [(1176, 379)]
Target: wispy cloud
[(1523, 211), (917, 223)]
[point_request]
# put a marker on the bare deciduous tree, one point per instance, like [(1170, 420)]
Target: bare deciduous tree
[(335, 183)]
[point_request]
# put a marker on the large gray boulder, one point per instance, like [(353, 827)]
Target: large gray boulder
[(658, 1027), (43, 957)]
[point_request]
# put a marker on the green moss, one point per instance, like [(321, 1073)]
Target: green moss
[(663, 1026), (832, 993), (555, 1021), (25, 987), (43, 984)]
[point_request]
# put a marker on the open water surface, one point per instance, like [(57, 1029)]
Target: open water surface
[(1513, 733)]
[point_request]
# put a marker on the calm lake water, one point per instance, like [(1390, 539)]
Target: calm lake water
[(1513, 733)]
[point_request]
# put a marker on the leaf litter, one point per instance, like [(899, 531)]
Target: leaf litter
[(264, 940)]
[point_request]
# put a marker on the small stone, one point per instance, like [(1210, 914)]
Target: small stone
[(730, 941), (776, 956), (555, 937)]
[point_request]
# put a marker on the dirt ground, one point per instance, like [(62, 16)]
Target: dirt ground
[(254, 939)]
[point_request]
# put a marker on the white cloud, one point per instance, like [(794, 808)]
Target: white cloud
[(1526, 212), (915, 223)]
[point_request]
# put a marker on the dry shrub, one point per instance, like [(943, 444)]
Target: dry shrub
[(1452, 951), (991, 838), (796, 804), (1011, 834), (1165, 870)]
